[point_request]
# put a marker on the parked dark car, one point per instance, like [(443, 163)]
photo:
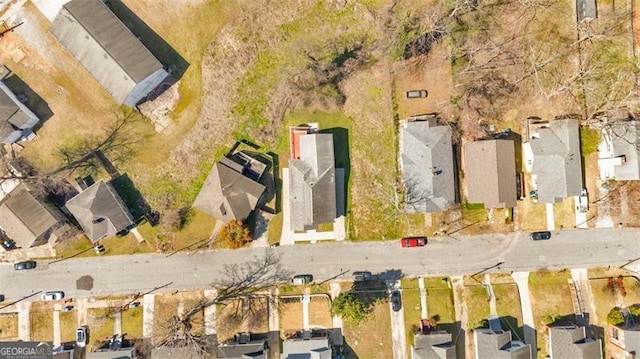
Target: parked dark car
[(396, 300), (413, 241), (67, 308), (540, 236), (24, 265), (134, 305), (1, 297)]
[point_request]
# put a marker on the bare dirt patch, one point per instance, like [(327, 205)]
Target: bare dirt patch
[(320, 312), (363, 342), (290, 315)]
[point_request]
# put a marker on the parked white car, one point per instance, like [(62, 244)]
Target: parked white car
[(81, 336), (57, 295)]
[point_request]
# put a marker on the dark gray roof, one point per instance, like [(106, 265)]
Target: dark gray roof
[(124, 353), (624, 135), (26, 220), (312, 185), (557, 161), (436, 345), (428, 172), (14, 116), (315, 348), (490, 173), (252, 350), (227, 194), (572, 342), (178, 352), (498, 345), (92, 33), (100, 211)]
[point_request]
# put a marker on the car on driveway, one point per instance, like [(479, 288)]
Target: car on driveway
[(1, 297), (56, 295), (413, 242), (396, 300), (81, 336), (24, 265), (540, 236), (302, 279)]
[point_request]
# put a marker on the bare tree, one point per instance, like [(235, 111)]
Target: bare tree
[(249, 281)]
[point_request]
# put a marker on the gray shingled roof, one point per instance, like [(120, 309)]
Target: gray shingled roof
[(556, 160), (490, 173), (498, 345), (428, 172), (624, 135), (433, 346), (14, 116), (572, 342), (312, 185), (631, 339), (315, 348), (100, 211), (26, 220), (124, 353), (252, 350), (93, 34), (227, 194)]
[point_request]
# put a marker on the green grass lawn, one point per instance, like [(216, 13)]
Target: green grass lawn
[(132, 322), (477, 303), (550, 299), (508, 308), (412, 308), (275, 228)]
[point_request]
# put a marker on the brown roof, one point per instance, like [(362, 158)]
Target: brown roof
[(490, 173)]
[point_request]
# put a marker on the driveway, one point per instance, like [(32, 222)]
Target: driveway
[(522, 282), (398, 336)]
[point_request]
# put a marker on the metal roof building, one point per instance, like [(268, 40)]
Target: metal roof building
[(106, 48)]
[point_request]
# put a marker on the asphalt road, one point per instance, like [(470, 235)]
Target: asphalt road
[(442, 256)]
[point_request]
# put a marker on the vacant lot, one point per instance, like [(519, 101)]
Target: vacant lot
[(551, 301), (290, 315), (101, 325), (41, 319), (363, 342), (9, 326)]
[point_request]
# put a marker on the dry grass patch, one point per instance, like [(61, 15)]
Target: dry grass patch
[(372, 338), (101, 325), (229, 319), (41, 321), (320, 312), (68, 325), (9, 326), (290, 315), (605, 299), (564, 213)]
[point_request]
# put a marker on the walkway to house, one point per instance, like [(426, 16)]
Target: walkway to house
[(24, 323), (580, 277), (305, 310), (423, 299), (493, 311), (210, 313), (529, 324), (147, 315), (289, 237), (551, 223)]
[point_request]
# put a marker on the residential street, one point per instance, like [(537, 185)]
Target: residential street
[(442, 256)]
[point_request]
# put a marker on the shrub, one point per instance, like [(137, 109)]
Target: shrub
[(235, 234)]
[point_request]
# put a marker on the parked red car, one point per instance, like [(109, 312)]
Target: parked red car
[(413, 241)]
